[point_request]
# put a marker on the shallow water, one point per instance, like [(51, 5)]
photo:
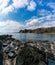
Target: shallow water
[(51, 62)]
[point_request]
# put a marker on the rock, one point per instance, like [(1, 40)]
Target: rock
[(29, 56), (1, 54), (28, 53), (11, 55), (1, 45)]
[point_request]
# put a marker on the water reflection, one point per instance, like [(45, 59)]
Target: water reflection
[(51, 62), (33, 36)]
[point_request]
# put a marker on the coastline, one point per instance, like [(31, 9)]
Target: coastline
[(16, 47), (37, 33)]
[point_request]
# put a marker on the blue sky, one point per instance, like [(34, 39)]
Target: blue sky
[(30, 14)]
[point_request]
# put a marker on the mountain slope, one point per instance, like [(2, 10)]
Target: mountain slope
[(39, 30)]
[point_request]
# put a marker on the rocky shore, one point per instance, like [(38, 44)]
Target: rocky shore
[(30, 53)]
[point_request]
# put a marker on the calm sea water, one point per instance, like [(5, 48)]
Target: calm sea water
[(33, 36), (51, 62)]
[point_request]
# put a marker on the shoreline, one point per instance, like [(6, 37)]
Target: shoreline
[(37, 33), (16, 47)]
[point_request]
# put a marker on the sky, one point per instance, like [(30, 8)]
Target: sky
[(26, 14)]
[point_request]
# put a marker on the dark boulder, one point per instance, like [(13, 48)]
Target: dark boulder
[(1, 45), (29, 56), (1, 54)]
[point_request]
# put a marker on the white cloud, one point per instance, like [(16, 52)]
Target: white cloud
[(40, 2), (5, 7), (50, 17), (31, 6), (49, 24), (10, 26), (44, 12), (3, 4), (20, 3), (51, 4), (33, 23), (47, 21)]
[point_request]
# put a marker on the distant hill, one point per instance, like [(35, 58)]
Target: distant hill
[(39, 30)]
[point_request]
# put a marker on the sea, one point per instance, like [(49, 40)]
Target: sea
[(31, 36), (23, 37)]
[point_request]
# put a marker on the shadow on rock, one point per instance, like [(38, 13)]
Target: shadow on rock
[(29, 56)]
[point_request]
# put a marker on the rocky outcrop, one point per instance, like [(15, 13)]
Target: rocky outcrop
[(8, 49), (31, 56), (1, 54), (29, 53), (39, 30)]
